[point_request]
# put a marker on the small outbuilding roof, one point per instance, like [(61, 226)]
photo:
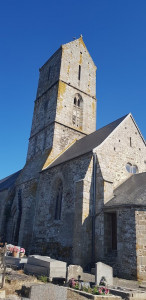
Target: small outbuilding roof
[(86, 144), (7, 182), (131, 193)]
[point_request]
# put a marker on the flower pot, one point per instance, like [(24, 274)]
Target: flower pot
[(21, 254), (15, 254)]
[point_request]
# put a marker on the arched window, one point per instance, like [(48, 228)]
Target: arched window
[(131, 168), (77, 117), (134, 169), (59, 201), (75, 101)]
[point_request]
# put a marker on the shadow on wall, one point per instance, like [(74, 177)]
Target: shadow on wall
[(85, 242)]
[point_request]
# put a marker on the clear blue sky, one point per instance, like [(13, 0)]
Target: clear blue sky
[(114, 32)]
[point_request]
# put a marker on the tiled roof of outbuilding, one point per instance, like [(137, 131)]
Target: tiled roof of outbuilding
[(7, 182), (87, 143), (131, 193)]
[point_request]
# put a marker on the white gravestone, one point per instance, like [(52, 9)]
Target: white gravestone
[(103, 271)]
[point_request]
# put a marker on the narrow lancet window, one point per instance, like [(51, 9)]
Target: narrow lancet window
[(79, 73), (130, 142), (59, 202)]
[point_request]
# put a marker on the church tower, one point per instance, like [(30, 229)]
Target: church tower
[(65, 105)]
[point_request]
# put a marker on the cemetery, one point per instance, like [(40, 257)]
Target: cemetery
[(40, 277)]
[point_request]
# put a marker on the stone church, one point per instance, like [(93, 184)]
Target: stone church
[(81, 196)]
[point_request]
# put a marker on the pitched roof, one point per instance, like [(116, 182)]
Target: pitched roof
[(87, 143), (131, 193), (7, 182)]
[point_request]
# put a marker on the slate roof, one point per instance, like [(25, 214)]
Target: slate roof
[(7, 182), (131, 193), (87, 143)]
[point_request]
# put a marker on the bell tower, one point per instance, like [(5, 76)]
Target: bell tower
[(65, 105)]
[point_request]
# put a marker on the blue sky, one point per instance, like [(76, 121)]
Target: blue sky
[(114, 32)]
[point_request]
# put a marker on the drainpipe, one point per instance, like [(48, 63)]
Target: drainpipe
[(94, 206)]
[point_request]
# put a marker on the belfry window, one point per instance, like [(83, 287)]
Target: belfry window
[(77, 117), (59, 201)]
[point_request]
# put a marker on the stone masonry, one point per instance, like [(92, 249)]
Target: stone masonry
[(58, 205)]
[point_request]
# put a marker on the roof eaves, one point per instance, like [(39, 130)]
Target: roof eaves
[(76, 157), (107, 207)]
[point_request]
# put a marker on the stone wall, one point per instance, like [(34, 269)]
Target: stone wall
[(140, 216), (116, 151), (74, 54), (3, 197), (65, 105), (123, 259), (56, 238), (49, 73)]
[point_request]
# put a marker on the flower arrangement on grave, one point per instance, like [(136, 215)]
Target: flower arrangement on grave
[(100, 291), (16, 249), (73, 284), (97, 290), (10, 248), (22, 252)]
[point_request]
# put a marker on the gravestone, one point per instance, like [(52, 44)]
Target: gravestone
[(103, 271), (74, 271)]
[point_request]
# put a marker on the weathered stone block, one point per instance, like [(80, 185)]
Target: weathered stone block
[(44, 265), (48, 292)]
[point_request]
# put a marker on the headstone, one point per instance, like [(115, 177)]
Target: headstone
[(74, 271), (103, 272)]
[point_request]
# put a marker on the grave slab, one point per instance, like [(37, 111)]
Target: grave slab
[(44, 265)]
